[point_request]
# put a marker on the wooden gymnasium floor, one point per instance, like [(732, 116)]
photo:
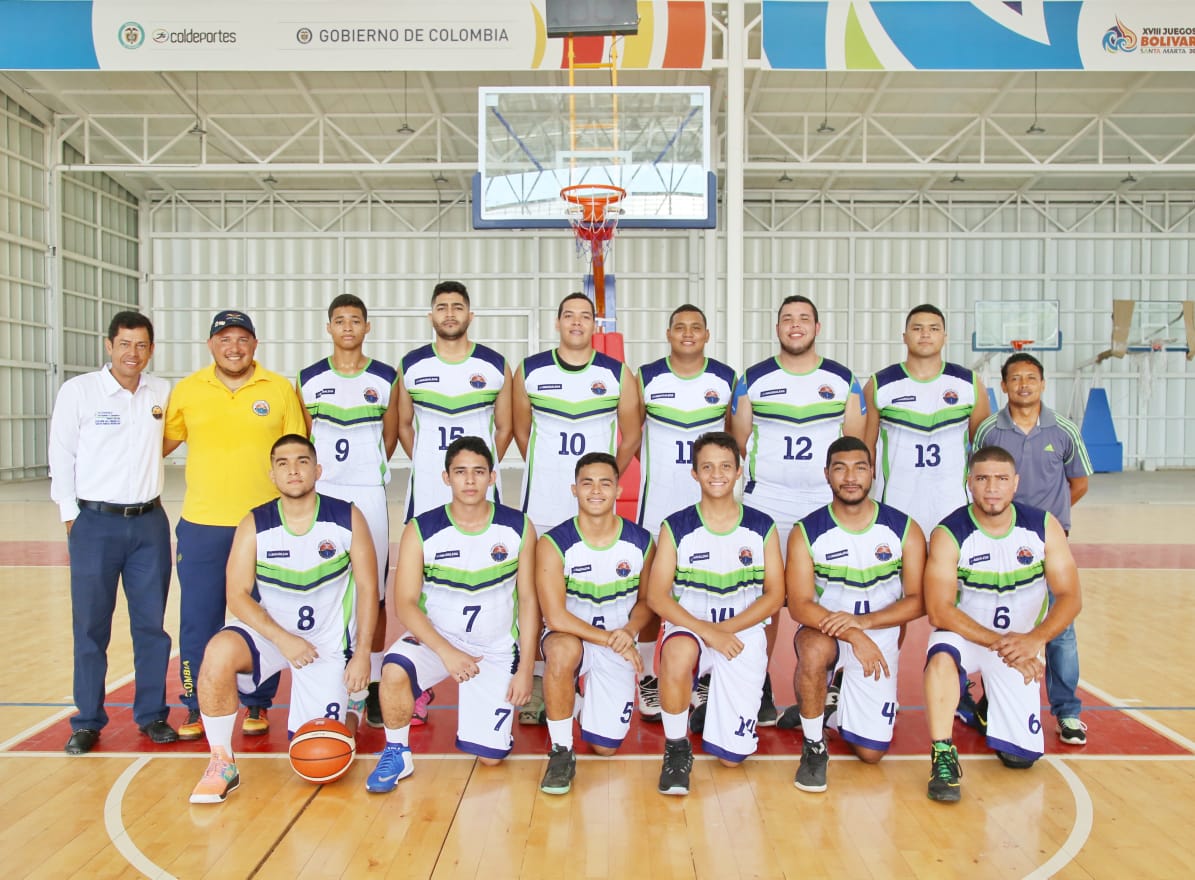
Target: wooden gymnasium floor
[(1118, 808)]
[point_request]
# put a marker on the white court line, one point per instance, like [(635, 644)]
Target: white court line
[(1080, 831), (56, 717), (1140, 717), (114, 823)]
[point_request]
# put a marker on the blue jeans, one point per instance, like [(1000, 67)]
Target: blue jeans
[(1062, 673), (202, 557), (106, 548)]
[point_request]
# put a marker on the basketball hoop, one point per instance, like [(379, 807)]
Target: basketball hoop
[(593, 213), (1020, 344)]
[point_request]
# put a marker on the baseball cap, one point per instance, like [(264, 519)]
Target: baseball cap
[(230, 318)]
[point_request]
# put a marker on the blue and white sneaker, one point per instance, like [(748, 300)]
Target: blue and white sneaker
[(394, 763)]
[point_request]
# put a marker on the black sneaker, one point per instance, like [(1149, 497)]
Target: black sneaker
[(767, 714), (373, 707), (790, 718), (1072, 731), (678, 762), (944, 774), (1015, 762), (701, 695), (811, 773), (562, 767), (971, 712), (833, 692)]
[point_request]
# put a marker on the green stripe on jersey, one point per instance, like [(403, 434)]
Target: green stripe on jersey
[(301, 580)]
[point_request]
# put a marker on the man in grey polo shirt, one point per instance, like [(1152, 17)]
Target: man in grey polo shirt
[(1053, 466)]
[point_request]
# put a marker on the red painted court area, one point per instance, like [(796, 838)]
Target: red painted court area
[(1110, 732)]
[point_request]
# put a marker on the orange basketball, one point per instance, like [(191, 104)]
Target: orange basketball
[(322, 750)]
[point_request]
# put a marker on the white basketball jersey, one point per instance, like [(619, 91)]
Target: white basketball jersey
[(923, 434), (346, 421), (795, 417), (305, 582), (1001, 578), (679, 410), (601, 583), (856, 572), (469, 586), (572, 412), (718, 574), (451, 400)]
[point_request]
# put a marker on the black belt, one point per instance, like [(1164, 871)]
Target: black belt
[(125, 510)]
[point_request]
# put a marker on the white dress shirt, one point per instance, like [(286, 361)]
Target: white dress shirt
[(106, 442)]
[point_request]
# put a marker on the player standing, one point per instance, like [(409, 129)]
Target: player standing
[(716, 579), (985, 588), (309, 560), (592, 578), (465, 590), (923, 412), (351, 409), (853, 576)]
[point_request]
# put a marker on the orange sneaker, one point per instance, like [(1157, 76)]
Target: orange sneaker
[(219, 780), (256, 723), (192, 728)]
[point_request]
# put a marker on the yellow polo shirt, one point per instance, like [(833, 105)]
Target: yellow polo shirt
[(228, 436)]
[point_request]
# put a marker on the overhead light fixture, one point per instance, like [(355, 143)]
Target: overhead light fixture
[(404, 128), (1129, 178), (197, 128), (1034, 128), (825, 127), (269, 180), (439, 178), (784, 178), (958, 178)]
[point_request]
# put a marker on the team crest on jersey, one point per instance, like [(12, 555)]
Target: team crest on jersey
[(156, 412), (711, 396), (825, 392), (261, 407), (371, 395), (498, 552), (883, 552), (950, 396), (598, 388), (477, 381), (623, 568), (1024, 556), (326, 549), (746, 557)]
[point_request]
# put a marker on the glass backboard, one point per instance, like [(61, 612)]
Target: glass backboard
[(1016, 325)]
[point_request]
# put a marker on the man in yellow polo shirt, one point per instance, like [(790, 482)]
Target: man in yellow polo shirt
[(229, 414)]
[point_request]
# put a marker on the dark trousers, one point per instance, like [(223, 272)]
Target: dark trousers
[(202, 557), (105, 548)]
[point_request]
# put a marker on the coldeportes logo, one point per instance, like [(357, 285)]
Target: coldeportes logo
[(1119, 38), (131, 35)]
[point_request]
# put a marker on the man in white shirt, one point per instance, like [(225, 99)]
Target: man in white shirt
[(106, 478)]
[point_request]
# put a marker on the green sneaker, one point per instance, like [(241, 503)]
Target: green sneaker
[(944, 774)]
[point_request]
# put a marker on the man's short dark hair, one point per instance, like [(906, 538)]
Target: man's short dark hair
[(348, 301), (991, 453), (450, 287), (847, 443), (596, 458), (925, 309), (687, 307), (716, 438), (468, 443), (576, 294), (297, 439), (129, 320), (1021, 357), (798, 298)]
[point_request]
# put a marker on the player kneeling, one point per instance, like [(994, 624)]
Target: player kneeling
[(853, 576), (985, 588), (593, 570), (716, 580), (311, 560), (465, 573)]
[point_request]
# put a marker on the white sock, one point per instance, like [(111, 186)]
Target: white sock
[(676, 724), (375, 665), (812, 728), (561, 732), (647, 653), (218, 730), (398, 735)]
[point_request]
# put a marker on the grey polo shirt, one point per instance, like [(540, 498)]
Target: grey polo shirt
[(1047, 457)]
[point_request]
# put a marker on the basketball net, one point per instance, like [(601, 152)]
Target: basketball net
[(593, 213)]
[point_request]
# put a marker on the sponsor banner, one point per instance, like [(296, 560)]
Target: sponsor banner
[(318, 35), (979, 34)]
